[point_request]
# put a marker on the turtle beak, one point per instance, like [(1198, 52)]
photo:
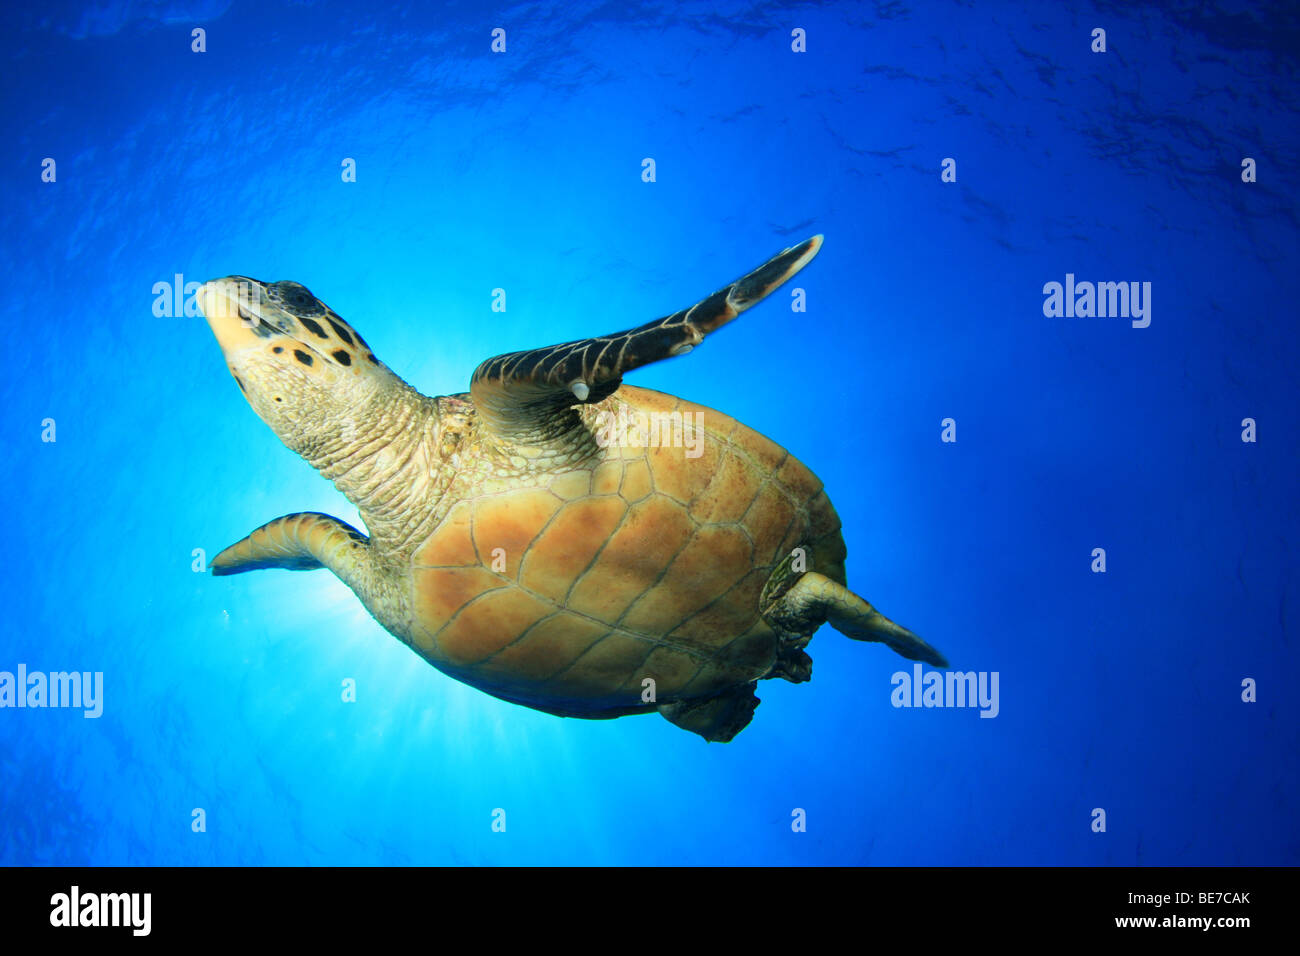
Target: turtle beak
[(231, 307)]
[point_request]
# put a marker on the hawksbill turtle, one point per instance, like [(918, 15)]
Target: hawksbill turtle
[(520, 543)]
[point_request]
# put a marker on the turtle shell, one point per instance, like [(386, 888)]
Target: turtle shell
[(566, 591)]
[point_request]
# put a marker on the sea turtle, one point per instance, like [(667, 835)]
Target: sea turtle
[(554, 537)]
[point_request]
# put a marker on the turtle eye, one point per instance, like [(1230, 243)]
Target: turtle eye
[(295, 298)]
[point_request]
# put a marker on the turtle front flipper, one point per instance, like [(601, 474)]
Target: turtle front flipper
[(298, 542), (528, 397)]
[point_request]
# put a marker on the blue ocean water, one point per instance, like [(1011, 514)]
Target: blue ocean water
[(1120, 691)]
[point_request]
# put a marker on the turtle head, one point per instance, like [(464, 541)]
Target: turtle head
[(301, 367)]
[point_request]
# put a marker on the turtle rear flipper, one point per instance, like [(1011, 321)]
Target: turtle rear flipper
[(528, 397), (815, 599), (716, 719)]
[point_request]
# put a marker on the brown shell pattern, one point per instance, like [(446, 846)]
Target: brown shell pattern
[(568, 592)]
